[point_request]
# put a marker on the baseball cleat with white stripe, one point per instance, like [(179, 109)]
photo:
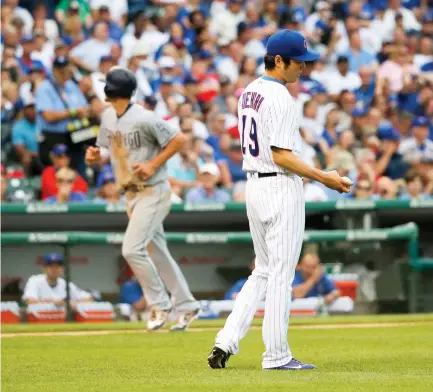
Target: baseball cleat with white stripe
[(218, 358), (294, 364)]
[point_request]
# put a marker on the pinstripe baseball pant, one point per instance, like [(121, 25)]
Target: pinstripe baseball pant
[(276, 214)]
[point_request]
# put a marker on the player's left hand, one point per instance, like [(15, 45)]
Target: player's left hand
[(144, 170)]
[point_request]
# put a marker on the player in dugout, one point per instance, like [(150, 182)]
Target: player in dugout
[(50, 287), (313, 290)]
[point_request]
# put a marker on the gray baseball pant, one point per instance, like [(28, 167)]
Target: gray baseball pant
[(160, 273)]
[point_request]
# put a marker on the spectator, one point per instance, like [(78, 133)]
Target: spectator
[(342, 78), (50, 287), (415, 188), (409, 20), (234, 162), (134, 34), (417, 150), (143, 67), (98, 77), (24, 139), (312, 286), (311, 127), (43, 51), (73, 31), (60, 102), (60, 160), (247, 72), (21, 13), (216, 125), (394, 70), (347, 103), (132, 302), (65, 179), (389, 160), (386, 188), (345, 142), (365, 93), (363, 189), (108, 192), (356, 55), (44, 21), (26, 62), (118, 9), (88, 54), (183, 167), (207, 191), (425, 54), (225, 22), (103, 14), (366, 164), (68, 7)]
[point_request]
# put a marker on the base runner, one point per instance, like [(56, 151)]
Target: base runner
[(271, 146), (139, 144)]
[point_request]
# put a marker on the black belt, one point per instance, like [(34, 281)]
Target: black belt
[(261, 175)]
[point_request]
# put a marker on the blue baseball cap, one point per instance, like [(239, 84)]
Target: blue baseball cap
[(387, 132), (59, 150), (427, 67), (53, 257), (290, 44), (318, 89), (108, 176), (420, 122)]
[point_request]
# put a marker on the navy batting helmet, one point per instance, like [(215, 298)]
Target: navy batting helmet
[(120, 83)]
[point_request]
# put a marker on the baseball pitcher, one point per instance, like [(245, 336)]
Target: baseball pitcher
[(271, 146)]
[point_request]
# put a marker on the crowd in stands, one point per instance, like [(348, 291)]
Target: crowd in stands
[(365, 108)]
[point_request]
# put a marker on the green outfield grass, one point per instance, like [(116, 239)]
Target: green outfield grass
[(384, 359)]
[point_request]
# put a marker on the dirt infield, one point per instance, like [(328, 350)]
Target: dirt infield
[(144, 331)]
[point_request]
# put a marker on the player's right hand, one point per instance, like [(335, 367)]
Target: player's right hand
[(334, 181), (93, 155)]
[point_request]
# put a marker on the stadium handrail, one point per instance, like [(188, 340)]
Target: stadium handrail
[(359, 205), (408, 231)]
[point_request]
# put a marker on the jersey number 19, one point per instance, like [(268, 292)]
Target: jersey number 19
[(253, 144)]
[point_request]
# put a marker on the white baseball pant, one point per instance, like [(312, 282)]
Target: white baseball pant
[(276, 214)]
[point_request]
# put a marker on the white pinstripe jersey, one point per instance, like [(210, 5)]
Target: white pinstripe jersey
[(267, 117)]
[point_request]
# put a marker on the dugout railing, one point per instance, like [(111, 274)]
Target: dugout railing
[(407, 232)]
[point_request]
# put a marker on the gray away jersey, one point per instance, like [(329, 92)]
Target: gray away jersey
[(144, 134)]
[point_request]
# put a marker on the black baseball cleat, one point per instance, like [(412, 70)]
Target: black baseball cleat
[(218, 358)]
